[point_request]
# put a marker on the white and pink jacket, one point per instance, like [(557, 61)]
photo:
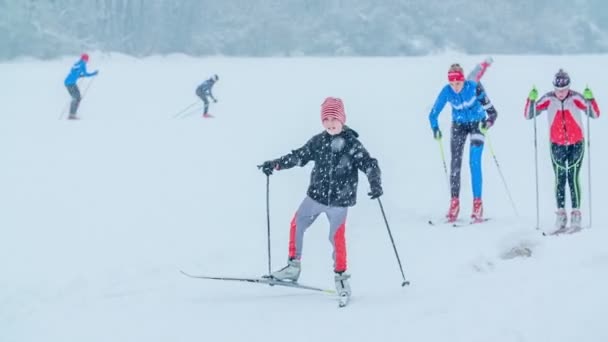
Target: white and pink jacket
[(565, 122)]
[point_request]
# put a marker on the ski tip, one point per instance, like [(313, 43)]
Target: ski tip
[(471, 223), (563, 231), (186, 274)]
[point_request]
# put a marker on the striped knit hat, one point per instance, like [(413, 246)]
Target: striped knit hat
[(333, 107)]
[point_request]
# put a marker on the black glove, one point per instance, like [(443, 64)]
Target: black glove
[(268, 167), (485, 125), (376, 191), (214, 100), (437, 133)]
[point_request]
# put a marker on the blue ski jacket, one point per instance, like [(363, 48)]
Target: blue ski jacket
[(469, 105), (79, 69)]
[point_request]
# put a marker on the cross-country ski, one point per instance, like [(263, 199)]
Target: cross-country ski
[(262, 280)]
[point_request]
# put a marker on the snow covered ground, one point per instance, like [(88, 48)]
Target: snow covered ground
[(98, 215)]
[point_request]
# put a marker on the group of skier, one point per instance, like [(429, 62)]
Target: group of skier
[(338, 155), (79, 70)]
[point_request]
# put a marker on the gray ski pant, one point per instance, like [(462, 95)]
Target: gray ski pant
[(75, 94), (306, 215)]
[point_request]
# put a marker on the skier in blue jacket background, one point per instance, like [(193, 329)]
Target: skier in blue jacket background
[(472, 114), (79, 69)]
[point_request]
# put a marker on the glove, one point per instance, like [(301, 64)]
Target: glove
[(214, 100), (588, 94), (533, 96), (485, 125), (96, 72), (375, 192), (437, 133), (268, 167)]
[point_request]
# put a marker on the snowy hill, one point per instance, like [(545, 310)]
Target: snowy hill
[(98, 215)]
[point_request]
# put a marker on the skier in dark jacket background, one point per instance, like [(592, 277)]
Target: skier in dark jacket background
[(338, 156), (204, 91)]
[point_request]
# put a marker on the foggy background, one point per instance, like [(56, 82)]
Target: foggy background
[(263, 28)]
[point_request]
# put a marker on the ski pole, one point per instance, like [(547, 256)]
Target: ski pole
[(268, 220), (65, 109), (86, 89), (445, 166), (536, 166), (405, 282), (190, 112), (589, 160), (501, 174), (184, 110)]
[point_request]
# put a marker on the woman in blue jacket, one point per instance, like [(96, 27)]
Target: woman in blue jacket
[(472, 114), (79, 69)]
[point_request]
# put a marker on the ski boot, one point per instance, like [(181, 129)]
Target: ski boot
[(342, 288), (291, 272), (477, 215), (561, 219), (575, 221), (452, 214)]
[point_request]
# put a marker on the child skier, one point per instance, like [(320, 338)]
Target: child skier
[(338, 156), (79, 69), (564, 107), (204, 91), (472, 114)]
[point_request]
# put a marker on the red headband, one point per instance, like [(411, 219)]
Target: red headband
[(455, 75)]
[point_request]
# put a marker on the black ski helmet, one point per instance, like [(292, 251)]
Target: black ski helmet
[(561, 80)]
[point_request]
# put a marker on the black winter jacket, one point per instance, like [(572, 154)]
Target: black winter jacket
[(338, 159)]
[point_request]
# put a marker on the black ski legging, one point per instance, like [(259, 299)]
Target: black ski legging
[(201, 93), (567, 162), (460, 131), (75, 93)]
